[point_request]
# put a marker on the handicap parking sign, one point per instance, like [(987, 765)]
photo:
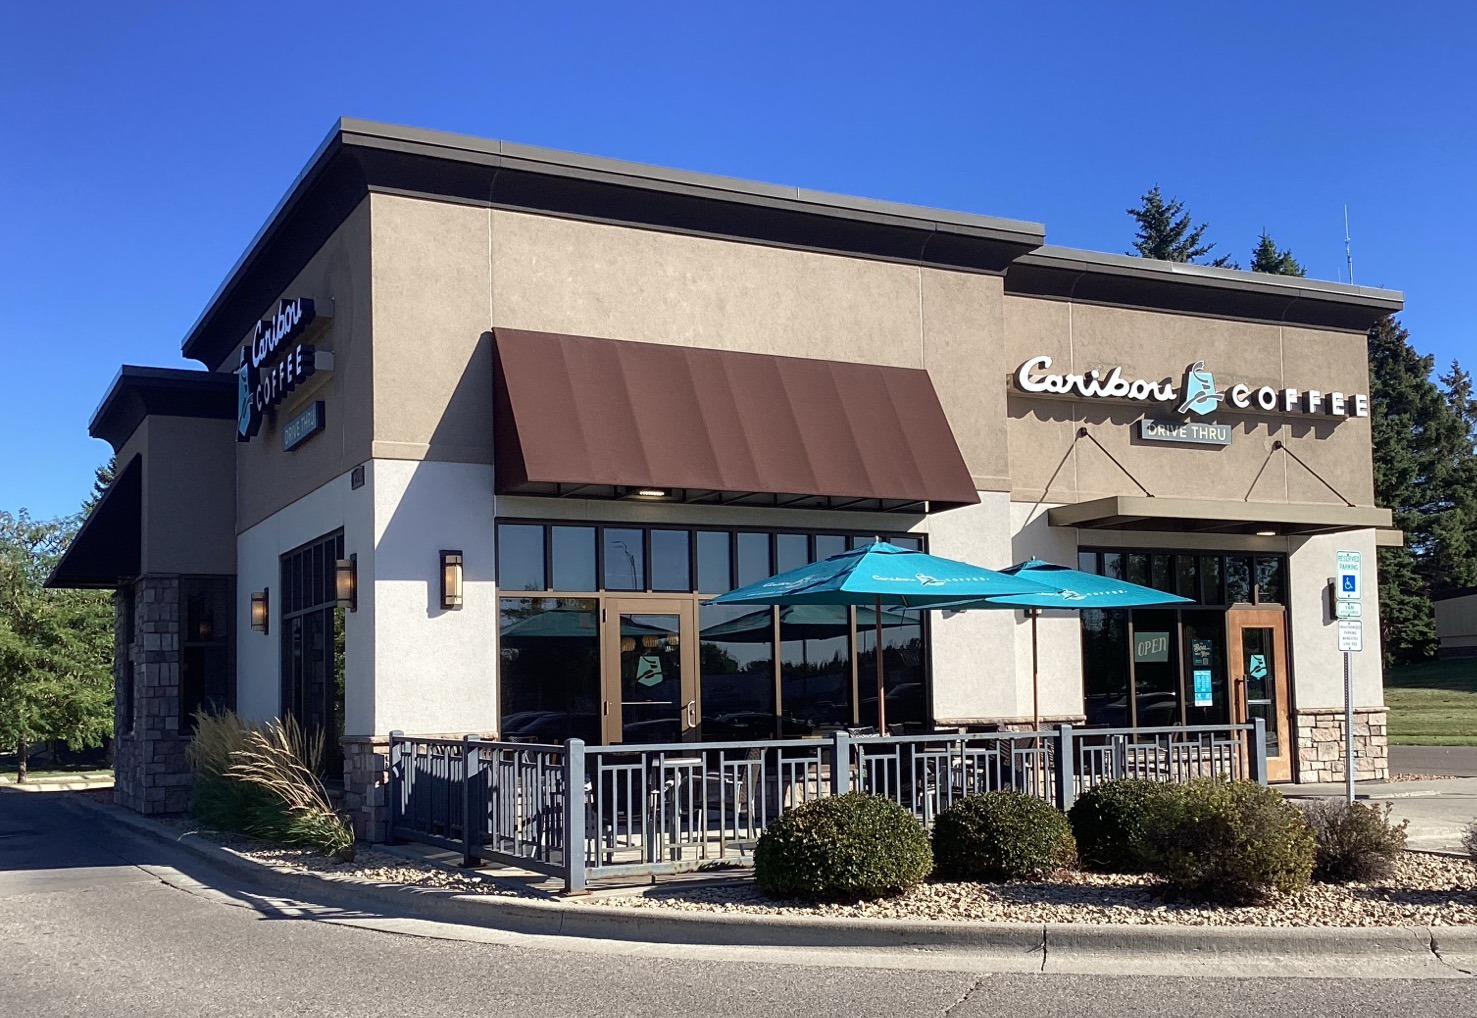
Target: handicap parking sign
[(1349, 587)]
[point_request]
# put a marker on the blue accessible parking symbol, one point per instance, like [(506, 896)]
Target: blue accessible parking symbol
[(1351, 583)]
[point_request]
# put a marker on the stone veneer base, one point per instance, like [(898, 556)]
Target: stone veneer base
[(151, 773), (1320, 744)]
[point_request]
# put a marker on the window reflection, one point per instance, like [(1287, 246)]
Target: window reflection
[(671, 566), (574, 558), (520, 557), (550, 677), (625, 559), (902, 669), (736, 665), (815, 664)]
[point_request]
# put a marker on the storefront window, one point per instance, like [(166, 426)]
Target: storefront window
[(520, 557), (1156, 667), (671, 560), (1187, 576), (1212, 589), (1207, 685), (713, 565), (551, 661), (736, 661), (1105, 665), (1269, 579), (1174, 668), (815, 664), (1238, 579), (1258, 651), (1087, 561), (753, 558), (312, 646), (550, 651), (827, 545), (625, 559), (573, 558), (902, 665), (791, 551)]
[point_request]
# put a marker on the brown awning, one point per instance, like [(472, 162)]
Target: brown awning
[(608, 418), (1214, 516), (106, 552)]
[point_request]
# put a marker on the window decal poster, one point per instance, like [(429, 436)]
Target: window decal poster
[(1203, 695)]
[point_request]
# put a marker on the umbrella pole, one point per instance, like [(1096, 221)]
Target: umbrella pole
[(1035, 675), (881, 692)]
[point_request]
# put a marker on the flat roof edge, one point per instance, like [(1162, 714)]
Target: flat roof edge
[(138, 391), (1301, 287)]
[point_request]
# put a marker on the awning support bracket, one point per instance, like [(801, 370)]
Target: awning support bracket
[(1084, 433)]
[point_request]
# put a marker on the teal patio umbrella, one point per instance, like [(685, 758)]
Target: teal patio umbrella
[(1071, 589), (878, 574)]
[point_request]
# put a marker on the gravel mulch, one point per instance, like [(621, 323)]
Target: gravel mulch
[(369, 864), (1426, 890)]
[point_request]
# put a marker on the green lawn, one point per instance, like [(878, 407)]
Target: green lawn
[(1433, 703)]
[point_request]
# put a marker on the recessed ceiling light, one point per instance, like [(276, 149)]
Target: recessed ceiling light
[(1266, 533), (651, 492)]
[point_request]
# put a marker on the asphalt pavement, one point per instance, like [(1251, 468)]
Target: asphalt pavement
[(98, 921)]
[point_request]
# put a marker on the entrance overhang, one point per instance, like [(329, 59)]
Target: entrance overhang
[(1213, 516)]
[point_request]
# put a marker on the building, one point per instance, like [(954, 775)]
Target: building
[(1456, 623), (480, 424)]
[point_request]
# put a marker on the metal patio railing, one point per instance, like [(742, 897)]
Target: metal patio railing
[(646, 810)]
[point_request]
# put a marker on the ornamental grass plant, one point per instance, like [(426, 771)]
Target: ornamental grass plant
[(842, 848), (261, 780)]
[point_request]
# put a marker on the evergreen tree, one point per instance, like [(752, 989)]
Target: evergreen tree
[(1166, 231), (1422, 460), (101, 480), (56, 646), (1455, 532), (1266, 257)]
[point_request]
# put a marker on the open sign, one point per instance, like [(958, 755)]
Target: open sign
[(1150, 647)]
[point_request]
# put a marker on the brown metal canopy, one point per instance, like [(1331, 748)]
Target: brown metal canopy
[(610, 418), (1215, 516)]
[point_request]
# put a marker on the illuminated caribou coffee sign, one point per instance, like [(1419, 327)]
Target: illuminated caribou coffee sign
[(1197, 394), (276, 360)]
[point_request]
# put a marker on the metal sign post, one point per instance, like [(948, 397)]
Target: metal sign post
[(1348, 593)]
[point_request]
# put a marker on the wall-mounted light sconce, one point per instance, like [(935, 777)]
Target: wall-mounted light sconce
[(451, 580), (346, 582), (260, 609)]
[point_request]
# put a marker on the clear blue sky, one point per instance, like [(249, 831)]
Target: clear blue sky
[(142, 145)]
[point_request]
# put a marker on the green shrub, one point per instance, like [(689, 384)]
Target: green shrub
[(1108, 823), (1229, 841), (1354, 841), (842, 848), (261, 780), (1005, 835), (1469, 841)]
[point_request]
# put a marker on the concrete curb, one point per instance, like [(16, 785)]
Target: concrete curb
[(1455, 944)]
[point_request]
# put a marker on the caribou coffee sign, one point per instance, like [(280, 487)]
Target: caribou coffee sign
[(275, 361), (1197, 394)]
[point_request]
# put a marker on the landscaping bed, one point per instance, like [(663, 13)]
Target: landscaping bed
[(368, 864), (1425, 890)]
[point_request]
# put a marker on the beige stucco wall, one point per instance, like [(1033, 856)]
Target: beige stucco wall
[(1156, 345), (269, 479), (1456, 622), (188, 502), (443, 274)]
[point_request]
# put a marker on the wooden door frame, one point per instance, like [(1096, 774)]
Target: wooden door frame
[(612, 607), (1279, 768)]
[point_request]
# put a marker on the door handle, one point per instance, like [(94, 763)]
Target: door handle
[(691, 710), (605, 708)]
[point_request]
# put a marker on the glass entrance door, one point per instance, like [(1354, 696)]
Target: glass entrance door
[(650, 680), (1258, 651)]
